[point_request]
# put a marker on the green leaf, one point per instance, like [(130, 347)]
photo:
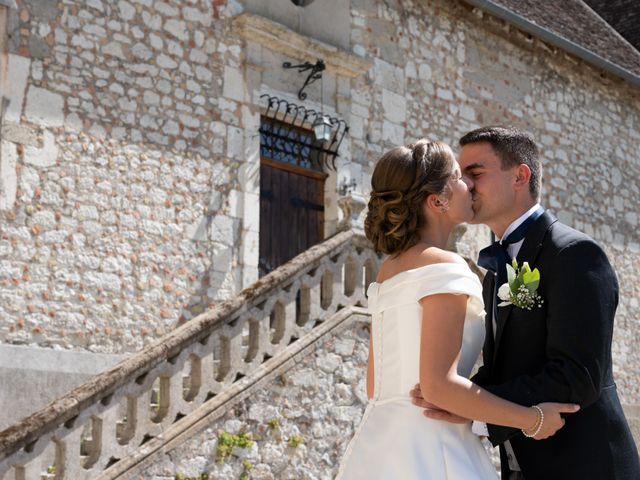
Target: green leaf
[(529, 277), (532, 286), (515, 285), (514, 264), (511, 274), (525, 267), (532, 280)]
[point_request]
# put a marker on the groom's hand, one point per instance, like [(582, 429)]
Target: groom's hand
[(433, 411)]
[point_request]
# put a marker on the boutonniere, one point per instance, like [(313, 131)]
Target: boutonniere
[(521, 287)]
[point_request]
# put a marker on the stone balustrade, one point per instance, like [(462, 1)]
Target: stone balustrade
[(128, 411)]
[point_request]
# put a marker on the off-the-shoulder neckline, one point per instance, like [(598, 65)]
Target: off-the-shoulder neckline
[(411, 270)]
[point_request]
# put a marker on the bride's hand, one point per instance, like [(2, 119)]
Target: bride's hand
[(553, 420), (433, 411)]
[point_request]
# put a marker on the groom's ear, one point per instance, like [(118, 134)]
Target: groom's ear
[(523, 175)]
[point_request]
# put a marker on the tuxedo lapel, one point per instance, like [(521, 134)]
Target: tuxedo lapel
[(487, 293), (528, 253), (533, 241)]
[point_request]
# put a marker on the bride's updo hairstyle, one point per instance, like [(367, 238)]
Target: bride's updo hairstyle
[(402, 179)]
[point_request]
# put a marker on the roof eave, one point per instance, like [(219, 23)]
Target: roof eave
[(556, 40)]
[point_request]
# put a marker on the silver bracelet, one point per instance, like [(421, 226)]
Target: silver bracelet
[(539, 425)]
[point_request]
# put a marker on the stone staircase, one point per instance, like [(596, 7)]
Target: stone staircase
[(111, 426)]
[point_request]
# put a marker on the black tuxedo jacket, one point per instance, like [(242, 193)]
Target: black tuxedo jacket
[(561, 352)]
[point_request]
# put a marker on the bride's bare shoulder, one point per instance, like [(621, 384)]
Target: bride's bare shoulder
[(432, 255), (416, 257)]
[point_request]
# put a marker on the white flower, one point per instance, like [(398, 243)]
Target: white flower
[(504, 292), (520, 290)]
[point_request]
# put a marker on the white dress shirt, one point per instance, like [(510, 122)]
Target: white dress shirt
[(480, 428)]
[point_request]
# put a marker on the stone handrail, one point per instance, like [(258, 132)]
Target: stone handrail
[(113, 415)]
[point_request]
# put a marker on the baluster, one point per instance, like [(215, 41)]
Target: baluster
[(209, 384), (303, 305), (70, 453), (235, 356), (315, 310), (112, 451), (252, 341), (277, 323), (144, 428), (160, 398), (91, 445), (192, 383), (125, 427), (222, 357), (289, 324), (351, 276), (30, 471), (326, 290)]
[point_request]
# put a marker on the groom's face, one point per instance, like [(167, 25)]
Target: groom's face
[(492, 190)]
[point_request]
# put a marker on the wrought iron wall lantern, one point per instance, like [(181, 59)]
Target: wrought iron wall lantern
[(322, 128), (285, 134), (315, 73)]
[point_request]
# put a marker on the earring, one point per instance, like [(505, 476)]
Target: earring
[(443, 206)]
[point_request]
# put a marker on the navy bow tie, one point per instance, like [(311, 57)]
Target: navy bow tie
[(495, 257)]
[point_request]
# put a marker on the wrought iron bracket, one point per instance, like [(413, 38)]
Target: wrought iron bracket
[(314, 74)]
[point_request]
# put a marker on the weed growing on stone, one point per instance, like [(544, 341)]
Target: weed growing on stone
[(202, 476), (226, 442), (247, 465), (274, 424), (295, 441)]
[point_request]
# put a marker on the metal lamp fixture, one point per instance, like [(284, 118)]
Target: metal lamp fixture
[(322, 128), (322, 125)]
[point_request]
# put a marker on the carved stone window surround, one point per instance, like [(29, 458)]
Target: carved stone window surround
[(277, 37)]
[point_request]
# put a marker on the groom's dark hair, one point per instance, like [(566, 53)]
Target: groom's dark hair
[(513, 147)]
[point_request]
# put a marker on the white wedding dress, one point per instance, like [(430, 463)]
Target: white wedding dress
[(394, 440)]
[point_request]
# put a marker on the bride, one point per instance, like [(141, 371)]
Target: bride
[(427, 324)]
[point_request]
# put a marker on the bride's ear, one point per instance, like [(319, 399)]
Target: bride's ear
[(434, 204)]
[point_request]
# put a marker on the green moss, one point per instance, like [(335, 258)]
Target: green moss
[(202, 476), (226, 442), (247, 465), (295, 441), (274, 424)]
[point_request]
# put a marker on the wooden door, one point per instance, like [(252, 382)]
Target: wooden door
[(291, 212)]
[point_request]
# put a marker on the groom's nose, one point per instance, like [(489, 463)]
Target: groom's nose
[(469, 182)]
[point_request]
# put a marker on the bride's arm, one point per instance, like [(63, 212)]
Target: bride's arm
[(441, 338)]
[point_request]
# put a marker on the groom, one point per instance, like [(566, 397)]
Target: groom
[(559, 351)]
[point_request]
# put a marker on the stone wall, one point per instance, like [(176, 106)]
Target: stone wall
[(130, 152), (122, 202)]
